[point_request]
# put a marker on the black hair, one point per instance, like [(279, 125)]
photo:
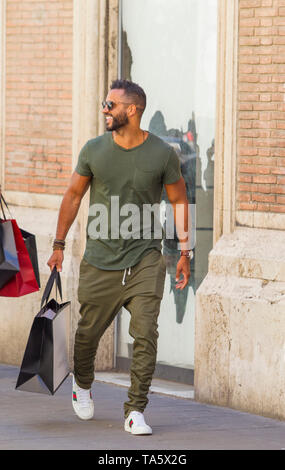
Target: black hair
[(133, 90)]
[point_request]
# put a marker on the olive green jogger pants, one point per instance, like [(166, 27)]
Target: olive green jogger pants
[(101, 295)]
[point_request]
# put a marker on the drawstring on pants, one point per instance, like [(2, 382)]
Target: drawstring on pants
[(124, 276)]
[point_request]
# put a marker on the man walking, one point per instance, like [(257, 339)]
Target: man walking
[(125, 168)]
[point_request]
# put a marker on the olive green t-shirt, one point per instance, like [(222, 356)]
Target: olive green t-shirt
[(125, 185)]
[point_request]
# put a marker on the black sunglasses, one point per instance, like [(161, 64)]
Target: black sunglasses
[(110, 104)]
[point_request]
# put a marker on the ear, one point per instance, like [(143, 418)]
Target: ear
[(132, 109)]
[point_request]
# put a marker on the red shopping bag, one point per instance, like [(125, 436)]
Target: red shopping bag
[(24, 282)]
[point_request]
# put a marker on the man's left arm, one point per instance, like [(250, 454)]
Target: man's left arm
[(177, 197)]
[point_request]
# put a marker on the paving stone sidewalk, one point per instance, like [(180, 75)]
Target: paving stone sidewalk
[(32, 421)]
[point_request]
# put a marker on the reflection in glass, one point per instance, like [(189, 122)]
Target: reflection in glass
[(175, 62), (184, 144)]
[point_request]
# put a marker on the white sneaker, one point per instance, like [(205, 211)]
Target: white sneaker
[(82, 401), (135, 424)]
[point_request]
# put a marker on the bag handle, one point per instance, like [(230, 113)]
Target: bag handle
[(2, 208), (1, 205), (54, 277)]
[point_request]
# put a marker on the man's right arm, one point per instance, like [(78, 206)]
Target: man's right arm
[(68, 211)]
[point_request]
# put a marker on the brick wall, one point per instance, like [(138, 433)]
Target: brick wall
[(38, 141), (261, 103)]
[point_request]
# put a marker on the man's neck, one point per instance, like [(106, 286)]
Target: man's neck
[(129, 138)]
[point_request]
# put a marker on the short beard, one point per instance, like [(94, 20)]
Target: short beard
[(120, 121)]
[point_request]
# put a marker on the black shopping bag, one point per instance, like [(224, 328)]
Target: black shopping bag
[(9, 263), (30, 242), (45, 364)]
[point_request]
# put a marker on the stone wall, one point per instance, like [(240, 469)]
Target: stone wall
[(57, 59), (240, 324)]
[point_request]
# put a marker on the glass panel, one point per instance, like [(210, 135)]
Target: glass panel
[(169, 48)]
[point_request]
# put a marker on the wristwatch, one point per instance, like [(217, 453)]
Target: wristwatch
[(188, 253)]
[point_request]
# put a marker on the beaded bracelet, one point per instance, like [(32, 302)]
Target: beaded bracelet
[(58, 244)]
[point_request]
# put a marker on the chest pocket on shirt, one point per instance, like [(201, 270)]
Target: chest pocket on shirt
[(147, 173)]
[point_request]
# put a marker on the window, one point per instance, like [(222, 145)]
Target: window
[(169, 48)]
